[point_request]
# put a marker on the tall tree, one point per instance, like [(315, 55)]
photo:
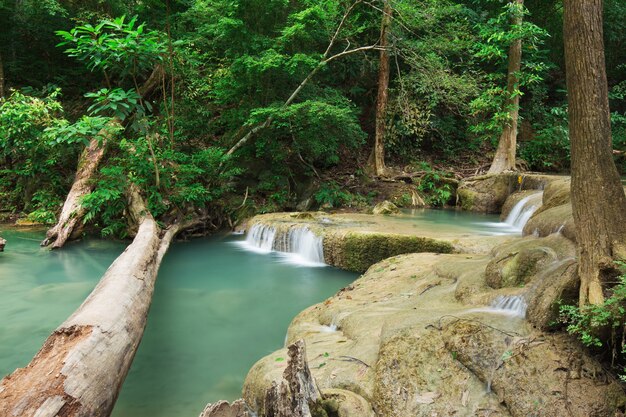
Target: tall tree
[(377, 159), (598, 199), (1, 77), (504, 158)]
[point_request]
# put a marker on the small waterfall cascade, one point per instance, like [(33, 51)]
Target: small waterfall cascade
[(261, 237), (513, 305), (299, 242), (523, 210)]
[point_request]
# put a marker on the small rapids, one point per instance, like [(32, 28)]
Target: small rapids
[(523, 211), (514, 305), (299, 245)]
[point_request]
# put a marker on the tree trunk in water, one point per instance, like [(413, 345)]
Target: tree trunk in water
[(70, 220), (81, 367), (504, 158), (598, 199), (377, 158)]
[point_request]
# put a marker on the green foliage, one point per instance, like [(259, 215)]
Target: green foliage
[(601, 326), (438, 192), (437, 78), (119, 47), (549, 148), (105, 204), (313, 130), (45, 205), (82, 131), (28, 157), (496, 35), (116, 103), (332, 195)]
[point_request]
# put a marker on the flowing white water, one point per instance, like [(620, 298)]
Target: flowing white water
[(261, 238), (523, 210), (299, 245), (513, 305)]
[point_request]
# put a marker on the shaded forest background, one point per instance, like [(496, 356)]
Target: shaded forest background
[(217, 70)]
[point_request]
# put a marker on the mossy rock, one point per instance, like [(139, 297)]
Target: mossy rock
[(487, 193), (386, 207), (556, 194), (519, 262), (560, 286), (552, 220), (358, 251), (535, 376), (512, 200)]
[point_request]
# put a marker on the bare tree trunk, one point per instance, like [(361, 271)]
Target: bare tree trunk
[(1, 77), (81, 367), (70, 220), (598, 200), (378, 152), (504, 158)]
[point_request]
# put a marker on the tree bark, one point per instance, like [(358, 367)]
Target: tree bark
[(70, 220), (1, 77), (598, 200), (378, 152), (70, 223), (504, 158), (81, 367)]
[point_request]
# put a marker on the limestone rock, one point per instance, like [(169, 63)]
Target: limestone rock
[(542, 375), (386, 207), (518, 262), (488, 193), (224, 409), (512, 200), (562, 287)]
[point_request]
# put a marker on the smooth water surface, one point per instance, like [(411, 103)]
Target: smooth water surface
[(456, 221), (217, 309), (39, 289)]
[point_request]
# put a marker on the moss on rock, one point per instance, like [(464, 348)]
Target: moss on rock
[(358, 251)]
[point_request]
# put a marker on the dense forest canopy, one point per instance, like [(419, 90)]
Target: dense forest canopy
[(218, 108)]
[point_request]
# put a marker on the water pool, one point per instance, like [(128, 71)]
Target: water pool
[(217, 309)]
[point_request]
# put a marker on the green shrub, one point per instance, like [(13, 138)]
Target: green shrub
[(602, 326)]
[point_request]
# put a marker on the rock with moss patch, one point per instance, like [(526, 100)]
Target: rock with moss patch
[(535, 376), (358, 251), (386, 207)]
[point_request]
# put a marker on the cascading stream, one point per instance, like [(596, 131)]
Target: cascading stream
[(299, 244), (514, 305), (523, 210)]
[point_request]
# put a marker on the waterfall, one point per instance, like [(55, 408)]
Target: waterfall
[(297, 245), (523, 210), (261, 238), (514, 305)]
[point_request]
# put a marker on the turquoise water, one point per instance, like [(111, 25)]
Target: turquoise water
[(217, 309), (456, 221)]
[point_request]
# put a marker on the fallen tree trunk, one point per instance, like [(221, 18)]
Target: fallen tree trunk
[(80, 369), (70, 220)]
